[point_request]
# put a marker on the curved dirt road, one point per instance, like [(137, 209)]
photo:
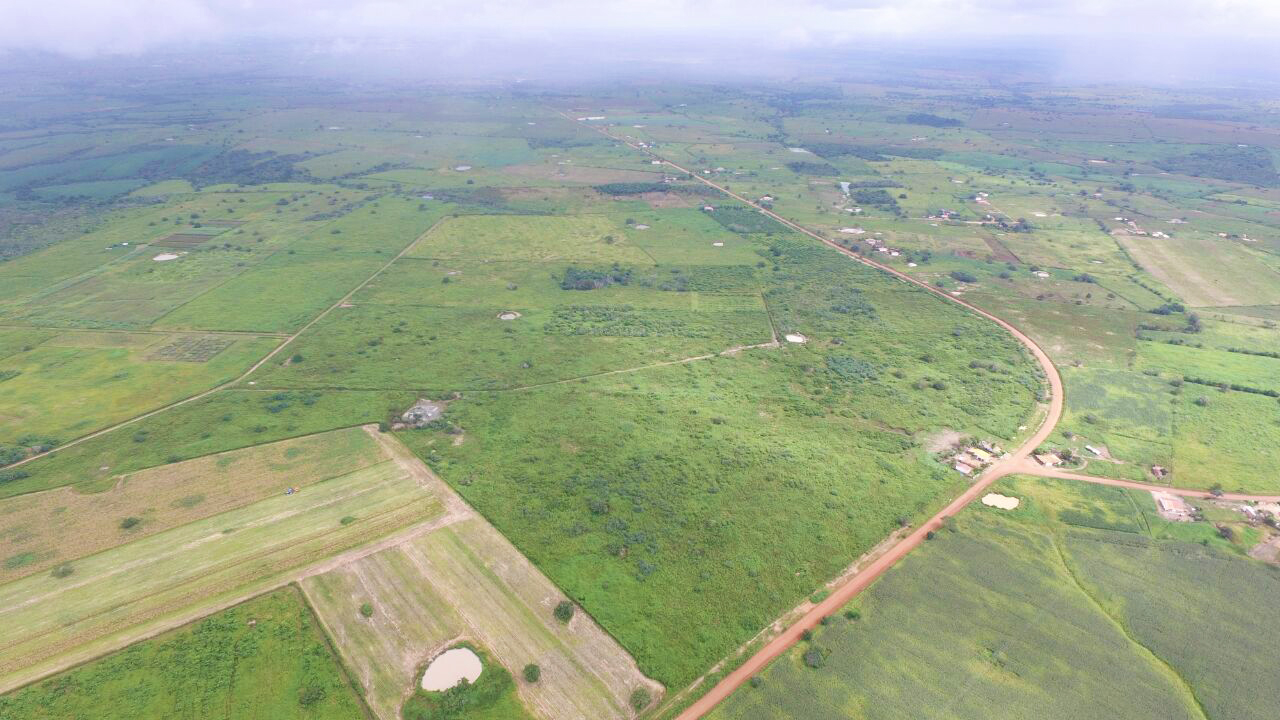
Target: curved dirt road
[(1015, 463), (860, 581)]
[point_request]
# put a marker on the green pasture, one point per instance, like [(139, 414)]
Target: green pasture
[(64, 391), (267, 657)]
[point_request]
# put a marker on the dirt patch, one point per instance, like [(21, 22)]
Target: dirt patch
[(183, 240), (943, 440), (165, 257), (1000, 251), (661, 200), (796, 338), (508, 315), (1004, 502), (1268, 551), (1171, 507), (421, 414), (450, 668), (191, 348)]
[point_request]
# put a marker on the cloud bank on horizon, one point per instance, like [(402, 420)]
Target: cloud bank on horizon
[(84, 28)]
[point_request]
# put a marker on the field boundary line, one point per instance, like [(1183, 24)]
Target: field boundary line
[(247, 270), (236, 380), (1124, 630)]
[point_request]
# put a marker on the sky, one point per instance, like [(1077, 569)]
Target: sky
[(1177, 33)]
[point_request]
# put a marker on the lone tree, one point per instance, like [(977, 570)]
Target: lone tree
[(366, 609), (564, 611), (532, 673), (640, 699)]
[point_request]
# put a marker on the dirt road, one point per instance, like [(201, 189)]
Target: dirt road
[(1015, 463), (858, 582), (1028, 467)]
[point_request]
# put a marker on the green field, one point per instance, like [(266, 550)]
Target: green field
[(1066, 607), (75, 383), (264, 658)]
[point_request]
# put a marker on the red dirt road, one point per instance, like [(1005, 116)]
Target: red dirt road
[(860, 581), (1015, 463)]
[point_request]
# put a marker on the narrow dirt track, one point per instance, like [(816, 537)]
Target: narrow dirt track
[(1030, 468)]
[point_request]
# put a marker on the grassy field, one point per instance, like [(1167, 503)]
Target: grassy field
[(224, 421), (652, 503), (1066, 607), (1207, 271), (266, 657), (108, 597), (57, 527), (1232, 440), (76, 383)]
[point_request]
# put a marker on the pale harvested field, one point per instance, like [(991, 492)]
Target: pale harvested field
[(464, 580), (1206, 272), (61, 525), (120, 595)]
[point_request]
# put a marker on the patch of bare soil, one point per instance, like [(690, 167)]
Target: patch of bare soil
[(1268, 551), (943, 440), (660, 200)]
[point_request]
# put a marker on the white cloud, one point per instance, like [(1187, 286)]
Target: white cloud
[(87, 27)]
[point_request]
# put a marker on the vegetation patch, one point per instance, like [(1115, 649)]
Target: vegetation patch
[(491, 697), (264, 658)]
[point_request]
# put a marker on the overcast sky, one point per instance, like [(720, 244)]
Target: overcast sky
[(1184, 29)]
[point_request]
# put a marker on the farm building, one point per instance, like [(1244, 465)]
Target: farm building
[(962, 468), (1048, 459)]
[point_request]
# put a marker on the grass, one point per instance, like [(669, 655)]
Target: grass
[(464, 348), (65, 391), (530, 238), (1067, 607), (491, 697), (279, 295), (1231, 440), (1194, 606), (62, 525), (227, 420), (651, 495), (985, 619), (115, 594), (263, 658), (1207, 271), (651, 502)]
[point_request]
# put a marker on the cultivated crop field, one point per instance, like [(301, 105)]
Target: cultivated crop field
[(1061, 608), (111, 596), (466, 581), (57, 527)]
